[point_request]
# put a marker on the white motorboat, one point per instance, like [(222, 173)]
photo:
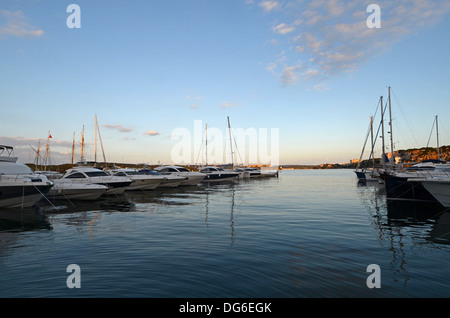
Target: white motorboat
[(269, 173), (66, 189), (254, 172), (169, 181), (217, 174), (243, 174), (20, 186), (437, 186), (140, 181), (192, 177), (116, 185)]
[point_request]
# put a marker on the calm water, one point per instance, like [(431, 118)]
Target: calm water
[(308, 233)]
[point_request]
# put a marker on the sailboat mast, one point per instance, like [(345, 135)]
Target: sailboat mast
[(95, 149), (371, 136), (82, 144), (37, 153), (101, 142), (382, 132), (437, 137), (73, 147), (390, 124), (206, 142), (231, 143)]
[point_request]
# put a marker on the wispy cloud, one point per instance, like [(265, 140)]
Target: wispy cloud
[(283, 28), (151, 133), (14, 23), (325, 38), (228, 105), (118, 128), (268, 5)]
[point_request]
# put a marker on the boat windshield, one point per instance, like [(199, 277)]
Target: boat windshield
[(96, 174), (12, 168), (183, 170)]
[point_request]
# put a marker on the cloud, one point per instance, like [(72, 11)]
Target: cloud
[(268, 5), (283, 28), (15, 24), (151, 133), (118, 127), (228, 105), (326, 38), (194, 106)]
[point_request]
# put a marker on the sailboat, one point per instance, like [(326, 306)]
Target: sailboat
[(374, 174), (247, 172), (414, 183), (213, 173)]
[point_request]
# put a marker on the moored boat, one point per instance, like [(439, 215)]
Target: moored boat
[(217, 174), (20, 186), (192, 177), (139, 181), (65, 189), (116, 185)]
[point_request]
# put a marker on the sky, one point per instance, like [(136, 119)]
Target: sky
[(303, 75)]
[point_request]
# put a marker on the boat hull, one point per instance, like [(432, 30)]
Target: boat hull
[(144, 184), (221, 177), (85, 192), (19, 196), (399, 188), (440, 190)]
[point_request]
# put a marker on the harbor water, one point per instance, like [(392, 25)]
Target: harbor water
[(306, 234)]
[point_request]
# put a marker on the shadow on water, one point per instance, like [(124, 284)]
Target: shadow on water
[(426, 221), (18, 220)]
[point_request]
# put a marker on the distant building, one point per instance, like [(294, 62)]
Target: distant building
[(355, 161)]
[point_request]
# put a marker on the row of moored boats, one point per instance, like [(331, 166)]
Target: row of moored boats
[(428, 181), (20, 186)]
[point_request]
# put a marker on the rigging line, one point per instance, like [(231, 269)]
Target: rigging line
[(405, 119), (364, 147), (431, 132), (46, 198), (200, 150)]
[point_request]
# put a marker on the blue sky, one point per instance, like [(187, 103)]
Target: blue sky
[(311, 69)]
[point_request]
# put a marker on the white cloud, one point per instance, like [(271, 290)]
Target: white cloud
[(268, 5), (118, 127), (283, 28), (325, 38), (228, 105), (151, 133), (15, 24)]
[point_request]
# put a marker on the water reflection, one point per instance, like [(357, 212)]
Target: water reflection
[(405, 225), (422, 220)]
